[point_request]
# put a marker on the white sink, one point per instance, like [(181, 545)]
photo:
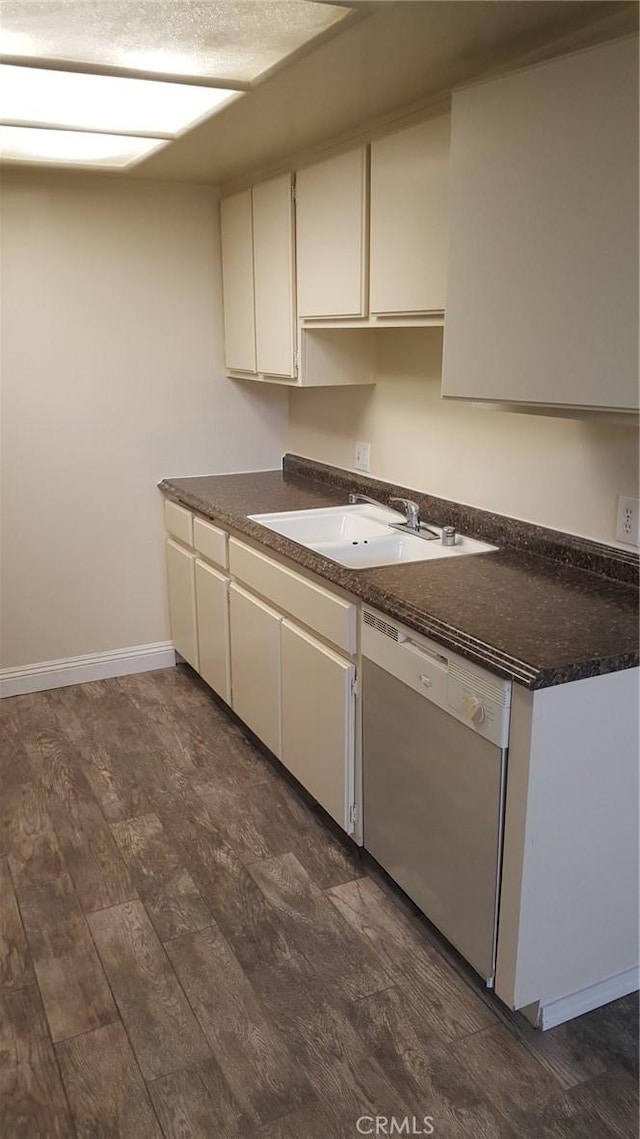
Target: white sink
[(330, 523), (362, 536)]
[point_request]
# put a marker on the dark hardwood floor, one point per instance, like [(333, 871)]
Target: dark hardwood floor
[(187, 948)]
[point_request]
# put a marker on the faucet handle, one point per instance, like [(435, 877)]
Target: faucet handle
[(412, 511)]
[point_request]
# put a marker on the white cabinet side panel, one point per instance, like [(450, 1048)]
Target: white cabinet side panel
[(273, 267), (569, 905), (236, 232)]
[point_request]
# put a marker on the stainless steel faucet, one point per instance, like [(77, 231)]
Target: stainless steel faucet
[(357, 497), (412, 512), (411, 524)]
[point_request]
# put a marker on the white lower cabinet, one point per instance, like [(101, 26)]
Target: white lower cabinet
[(212, 609), (318, 721), (182, 601), (255, 665), (266, 653)]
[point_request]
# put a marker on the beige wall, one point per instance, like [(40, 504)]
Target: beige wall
[(112, 377), (561, 473)]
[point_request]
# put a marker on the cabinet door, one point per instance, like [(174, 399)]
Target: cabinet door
[(273, 276), (182, 601), (255, 665), (542, 303), (236, 233), (318, 717), (409, 219), (212, 609), (331, 231)]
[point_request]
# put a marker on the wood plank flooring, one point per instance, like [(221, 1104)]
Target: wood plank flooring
[(189, 949)]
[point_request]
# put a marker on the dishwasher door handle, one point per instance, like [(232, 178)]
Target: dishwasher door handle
[(431, 658), (425, 671)]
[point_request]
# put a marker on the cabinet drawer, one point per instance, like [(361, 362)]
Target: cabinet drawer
[(178, 521), (210, 542), (314, 606)]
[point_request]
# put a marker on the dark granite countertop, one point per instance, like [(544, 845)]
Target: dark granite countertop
[(528, 617)]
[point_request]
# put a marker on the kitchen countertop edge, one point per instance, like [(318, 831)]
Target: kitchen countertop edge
[(359, 586)]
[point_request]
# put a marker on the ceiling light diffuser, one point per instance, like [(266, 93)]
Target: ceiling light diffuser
[(73, 148), (38, 97)]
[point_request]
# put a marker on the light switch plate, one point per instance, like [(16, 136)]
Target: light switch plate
[(363, 456), (628, 521)]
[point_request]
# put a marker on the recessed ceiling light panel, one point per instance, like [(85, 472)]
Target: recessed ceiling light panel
[(73, 148), (227, 39), (38, 97)]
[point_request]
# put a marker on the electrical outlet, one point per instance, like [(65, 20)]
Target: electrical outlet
[(363, 456), (628, 523)]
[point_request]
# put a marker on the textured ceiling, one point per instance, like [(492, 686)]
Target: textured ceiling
[(398, 54), (233, 40)]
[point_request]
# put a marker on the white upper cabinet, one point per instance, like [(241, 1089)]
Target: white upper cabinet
[(258, 274), (273, 259), (542, 303), (393, 270), (409, 220), (257, 278), (331, 237), (236, 233)]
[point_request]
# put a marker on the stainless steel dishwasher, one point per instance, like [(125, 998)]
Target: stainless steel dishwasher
[(435, 735)]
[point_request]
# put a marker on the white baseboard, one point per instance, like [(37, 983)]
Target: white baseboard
[(566, 1008), (78, 670)]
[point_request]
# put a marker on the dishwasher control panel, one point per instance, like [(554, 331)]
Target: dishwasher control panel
[(468, 692)]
